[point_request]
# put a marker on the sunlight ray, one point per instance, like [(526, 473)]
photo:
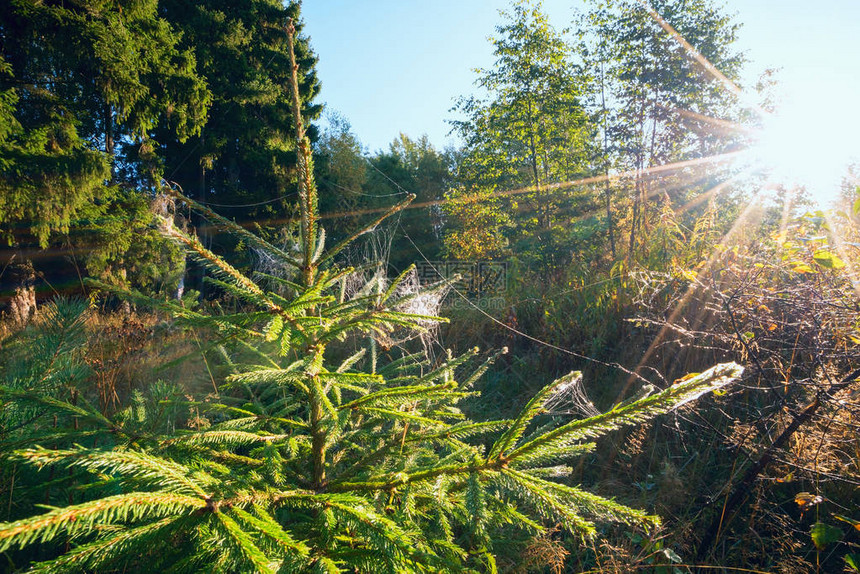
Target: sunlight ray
[(787, 207), (841, 249), (711, 193), (725, 125), (704, 62), (798, 146), (745, 218), (718, 159), (687, 182)]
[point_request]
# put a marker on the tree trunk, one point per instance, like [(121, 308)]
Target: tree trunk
[(607, 187), (200, 223), (637, 196), (109, 139)]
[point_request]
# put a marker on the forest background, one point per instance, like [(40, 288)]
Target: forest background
[(601, 214)]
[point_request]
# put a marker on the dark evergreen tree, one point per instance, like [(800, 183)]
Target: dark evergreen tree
[(243, 162), (82, 85)]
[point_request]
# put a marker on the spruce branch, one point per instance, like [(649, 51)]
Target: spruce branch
[(83, 518), (595, 506), (254, 559), (100, 554), (231, 227), (675, 396), (544, 503), (84, 412), (150, 470), (394, 395), (222, 438), (531, 410), (279, 377)]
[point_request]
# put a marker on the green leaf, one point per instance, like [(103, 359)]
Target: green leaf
[(824, 534), (828, 260), (854, 523), (852, 560)]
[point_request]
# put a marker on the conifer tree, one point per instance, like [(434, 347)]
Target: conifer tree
[(243, 160), (245, 156), (81, 85), (305, 462)]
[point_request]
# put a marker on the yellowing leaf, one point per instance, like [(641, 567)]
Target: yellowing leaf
[(800, 267), (851, 521), (807, 500)]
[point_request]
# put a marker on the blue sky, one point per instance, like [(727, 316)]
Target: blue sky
[(391, 66)]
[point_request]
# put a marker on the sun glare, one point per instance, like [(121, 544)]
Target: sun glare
[(810, 141)]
